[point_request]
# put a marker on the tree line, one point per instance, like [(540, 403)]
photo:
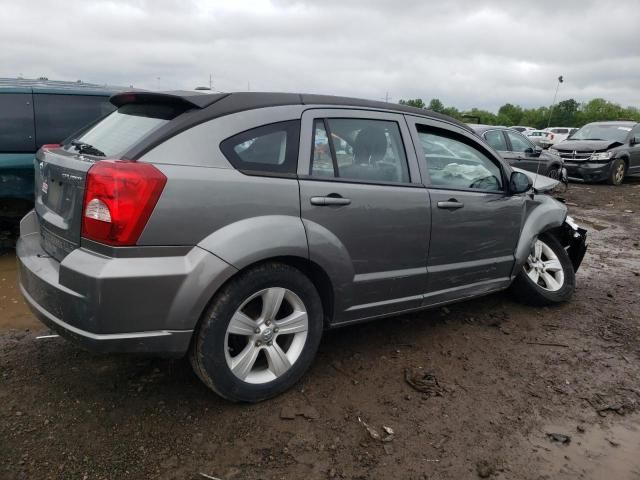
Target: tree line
[(567, 113)]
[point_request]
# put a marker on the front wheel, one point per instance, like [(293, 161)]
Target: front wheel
[(260, 334), (547, 277), (618, 170)]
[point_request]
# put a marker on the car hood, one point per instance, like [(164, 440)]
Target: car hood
[(586, 145), (540, 183)]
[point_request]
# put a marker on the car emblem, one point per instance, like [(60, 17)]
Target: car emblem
[(575, 152), (45, 187)]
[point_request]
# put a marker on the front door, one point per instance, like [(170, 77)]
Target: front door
[(366, 214), (475, 223)]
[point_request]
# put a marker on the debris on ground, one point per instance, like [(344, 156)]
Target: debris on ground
[(308, 411), (373, 433), (484, 469), (423, 381), (559, 437)]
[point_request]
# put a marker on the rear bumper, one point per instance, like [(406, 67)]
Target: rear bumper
[(147, 304), (587, 171)]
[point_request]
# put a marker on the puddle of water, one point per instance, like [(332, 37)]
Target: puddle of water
[(599, 453), (14, 313)]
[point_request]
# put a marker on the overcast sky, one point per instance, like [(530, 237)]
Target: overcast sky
[(467, 53)]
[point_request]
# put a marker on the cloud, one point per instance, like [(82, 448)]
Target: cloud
[(466, 53)]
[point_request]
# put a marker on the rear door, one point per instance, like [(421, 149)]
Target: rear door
[(17, 145), (634, 151), (475, 223), (366, 214), (524, 152)]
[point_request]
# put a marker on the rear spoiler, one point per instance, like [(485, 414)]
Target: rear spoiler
[(186, 100)]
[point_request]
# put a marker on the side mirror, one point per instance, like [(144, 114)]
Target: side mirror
[(519, 183), (635, 140), (532, 152)]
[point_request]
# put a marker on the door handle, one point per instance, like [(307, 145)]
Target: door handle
[(451, 204), (330, 200)]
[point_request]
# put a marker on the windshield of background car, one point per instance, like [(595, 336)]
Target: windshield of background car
[(614, 132), (119, 131)]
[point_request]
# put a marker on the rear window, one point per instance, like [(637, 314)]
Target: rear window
[(58, 116), (125, 127), (16, 123)]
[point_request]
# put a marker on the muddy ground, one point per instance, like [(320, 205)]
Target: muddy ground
[(507, 376)]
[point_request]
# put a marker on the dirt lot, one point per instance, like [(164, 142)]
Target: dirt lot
[(503, 377)]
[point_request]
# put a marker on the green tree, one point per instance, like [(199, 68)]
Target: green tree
[(565, 113), (436, 105), (509, 114), (416, 102)]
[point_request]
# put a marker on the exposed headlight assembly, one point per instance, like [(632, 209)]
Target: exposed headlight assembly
[(601, 156)]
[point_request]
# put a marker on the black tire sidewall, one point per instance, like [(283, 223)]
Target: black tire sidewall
[(210, 342)]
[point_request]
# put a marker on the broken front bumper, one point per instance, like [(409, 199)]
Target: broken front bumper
[(574, 239)]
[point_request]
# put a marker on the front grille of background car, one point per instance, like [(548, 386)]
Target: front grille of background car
[(572, 155)]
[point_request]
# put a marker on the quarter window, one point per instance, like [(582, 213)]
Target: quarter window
[(495, 138), (270, 149), (58, 116), (455, 164), (359, 149), (518, 142), (16, 123)]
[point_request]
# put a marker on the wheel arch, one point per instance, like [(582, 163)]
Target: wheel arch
[(546, 216)]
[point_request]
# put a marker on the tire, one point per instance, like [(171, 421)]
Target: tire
[(544, 291), (240, 349), (618, 171), (554, 172)]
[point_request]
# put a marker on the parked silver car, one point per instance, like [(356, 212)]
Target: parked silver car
[(237, 227)]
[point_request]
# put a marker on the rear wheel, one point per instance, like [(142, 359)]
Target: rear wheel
[(547, 277), (260, 334), (618, 170)]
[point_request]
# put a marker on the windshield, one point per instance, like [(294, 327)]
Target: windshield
[(614, 132), (119, 131)]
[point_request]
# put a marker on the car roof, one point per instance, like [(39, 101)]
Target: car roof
[(44, 85), (214, 105), (623, 123), (480, 128)]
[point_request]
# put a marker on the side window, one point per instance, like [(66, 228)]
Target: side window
[(518, 142), (495, 138), (322, 162), (359, 149), (270, 148), (58, 116), (455, 164), (16, 123)]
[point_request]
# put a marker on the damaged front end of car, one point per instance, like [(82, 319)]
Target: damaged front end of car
[(574, 239)]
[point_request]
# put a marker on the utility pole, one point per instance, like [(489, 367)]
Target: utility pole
[(560, 80), (386, 97), (210, 82)]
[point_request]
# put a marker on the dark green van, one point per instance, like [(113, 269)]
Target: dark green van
[(34, 113)]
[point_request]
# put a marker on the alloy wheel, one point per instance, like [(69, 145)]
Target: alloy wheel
[(266, 335), (544, 268)]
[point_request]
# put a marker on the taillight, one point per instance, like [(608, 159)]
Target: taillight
[(50, 146), (119, 197), (551, 136)]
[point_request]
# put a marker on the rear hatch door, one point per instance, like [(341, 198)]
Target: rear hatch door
[(59, 189)]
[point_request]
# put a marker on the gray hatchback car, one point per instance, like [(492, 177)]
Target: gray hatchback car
[(235, 228)]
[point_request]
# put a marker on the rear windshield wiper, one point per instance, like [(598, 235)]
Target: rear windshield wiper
[(83, 147)]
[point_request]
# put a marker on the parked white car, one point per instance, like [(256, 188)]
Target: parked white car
[(522, 129), (539, 137), (559, 134)]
